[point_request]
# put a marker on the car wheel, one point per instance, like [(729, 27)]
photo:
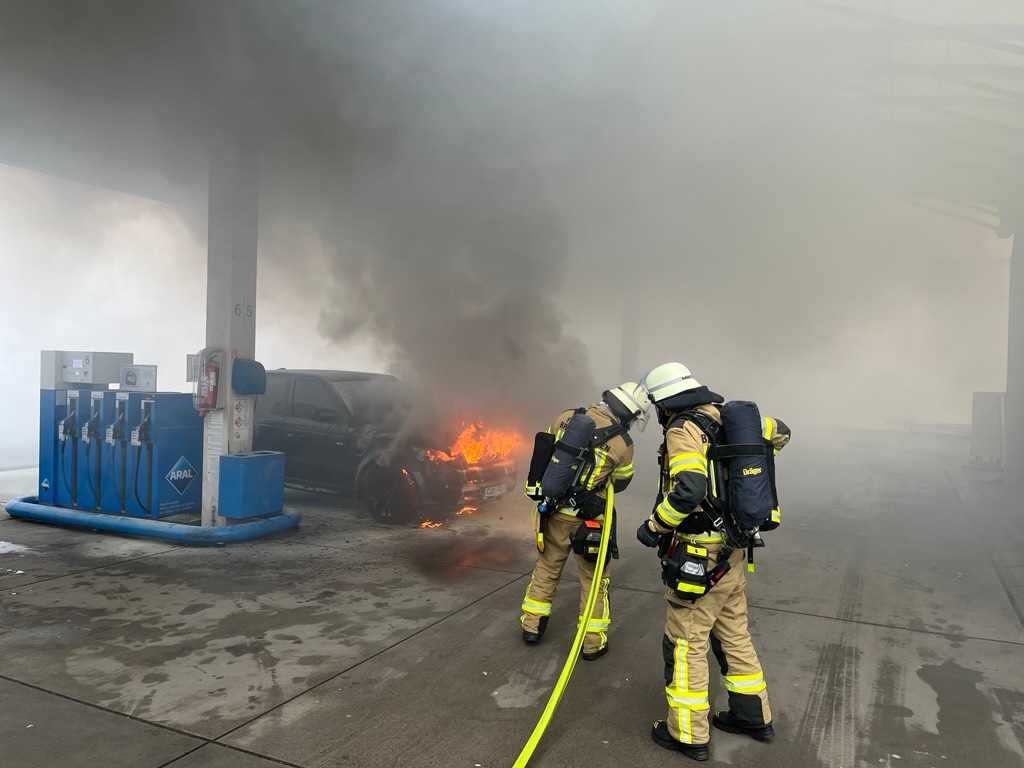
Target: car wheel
[(390, 496)]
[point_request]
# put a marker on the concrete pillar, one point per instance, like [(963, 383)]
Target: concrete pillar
[(1013, 426), (233, 232)]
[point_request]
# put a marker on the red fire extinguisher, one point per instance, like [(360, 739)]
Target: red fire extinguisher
[(207, 391)]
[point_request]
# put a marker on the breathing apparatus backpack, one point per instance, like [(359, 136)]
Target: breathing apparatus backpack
[(742, 490), (740, 500), (560, 469), (568, 460), (559, 474)]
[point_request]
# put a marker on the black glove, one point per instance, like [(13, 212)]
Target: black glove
[(646, 536)]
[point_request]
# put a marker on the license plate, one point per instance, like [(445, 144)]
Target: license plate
[(495, 490)]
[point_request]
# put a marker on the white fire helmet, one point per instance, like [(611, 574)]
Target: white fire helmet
[(667, 380), (633, 397)]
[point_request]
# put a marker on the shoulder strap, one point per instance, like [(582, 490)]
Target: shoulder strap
[(605, 434), (601, 436)]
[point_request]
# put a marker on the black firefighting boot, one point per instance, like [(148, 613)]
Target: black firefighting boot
[(592, 655), (534, 637), (725, 721), (661, 737)]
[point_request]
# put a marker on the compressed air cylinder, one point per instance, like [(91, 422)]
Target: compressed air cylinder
[(751, 497), (569, 453)]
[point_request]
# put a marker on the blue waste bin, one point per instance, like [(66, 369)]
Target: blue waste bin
[(251, 484)]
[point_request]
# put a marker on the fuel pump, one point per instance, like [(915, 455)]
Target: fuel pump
[(92, 456), (164, 449), (67, 380), (142, 440), (112, 496), (67, 435)]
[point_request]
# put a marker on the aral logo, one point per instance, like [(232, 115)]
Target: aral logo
[(181, 475)]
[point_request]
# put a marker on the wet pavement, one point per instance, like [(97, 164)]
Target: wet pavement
[(886, 611)]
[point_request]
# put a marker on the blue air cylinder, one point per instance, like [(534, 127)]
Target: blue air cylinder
[(570, 451), (751, 498)]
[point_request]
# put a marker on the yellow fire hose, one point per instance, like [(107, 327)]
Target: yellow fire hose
[(577, 643)]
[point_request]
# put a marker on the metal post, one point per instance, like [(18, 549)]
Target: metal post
[(1013, 426), (233, 232)]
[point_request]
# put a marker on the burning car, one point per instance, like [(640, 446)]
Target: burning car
[(367, 435)]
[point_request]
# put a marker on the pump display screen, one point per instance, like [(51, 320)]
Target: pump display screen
[(77, 363)]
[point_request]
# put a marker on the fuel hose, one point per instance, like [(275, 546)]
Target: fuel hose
[(577, 643)]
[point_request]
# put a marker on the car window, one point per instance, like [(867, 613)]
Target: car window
[(352, 392), (275, 400), (312, 401)]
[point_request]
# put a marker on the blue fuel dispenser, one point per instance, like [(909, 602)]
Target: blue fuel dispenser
[(53, 409), (91, 476), (60, 419), (164, 457), (67, 459), (124, 410)]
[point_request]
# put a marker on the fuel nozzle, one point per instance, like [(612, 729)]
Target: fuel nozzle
[(115, 432), (66, 427), (144, 432), (92, 428)]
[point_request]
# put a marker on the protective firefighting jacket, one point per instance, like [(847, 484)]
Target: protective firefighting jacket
[(687, 475)]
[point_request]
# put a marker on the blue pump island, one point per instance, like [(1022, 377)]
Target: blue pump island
[(130, 460)]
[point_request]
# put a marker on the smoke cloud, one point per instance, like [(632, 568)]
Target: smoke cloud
[(483, 194)]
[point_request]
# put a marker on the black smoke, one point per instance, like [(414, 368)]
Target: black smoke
[(462, 183)]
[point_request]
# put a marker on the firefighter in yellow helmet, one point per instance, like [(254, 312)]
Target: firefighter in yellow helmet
[(610, 460), (688, 412)]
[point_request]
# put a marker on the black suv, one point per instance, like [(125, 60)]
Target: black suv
[(359, 434)]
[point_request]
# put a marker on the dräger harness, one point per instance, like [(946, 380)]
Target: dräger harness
[(741, 501)]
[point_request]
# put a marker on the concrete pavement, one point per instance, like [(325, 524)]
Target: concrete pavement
[(884, 610)]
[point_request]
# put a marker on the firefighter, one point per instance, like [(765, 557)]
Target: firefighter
[(718, 620), (612, 461)]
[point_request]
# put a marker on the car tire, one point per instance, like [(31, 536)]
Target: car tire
[(390, 496)]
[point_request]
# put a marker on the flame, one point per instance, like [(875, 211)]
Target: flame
[(466, 511), (476, 442), (438, 456), (429, 524)]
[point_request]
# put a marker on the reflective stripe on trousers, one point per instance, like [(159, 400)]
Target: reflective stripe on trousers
[(547, 573), (683, 701), (745, 683), (717, 621)]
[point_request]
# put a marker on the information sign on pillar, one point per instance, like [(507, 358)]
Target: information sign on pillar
[(233, 235)]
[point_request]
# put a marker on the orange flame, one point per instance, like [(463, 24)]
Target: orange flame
[(475, 442), (429, 524), (466, 511)]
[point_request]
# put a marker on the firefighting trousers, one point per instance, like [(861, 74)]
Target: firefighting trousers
[(544, 582), (717, 621)]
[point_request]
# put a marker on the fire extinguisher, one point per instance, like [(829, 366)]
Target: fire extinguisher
[(206, 397)]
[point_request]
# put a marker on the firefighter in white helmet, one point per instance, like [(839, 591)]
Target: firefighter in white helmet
[(610, 459), (688, 412)]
